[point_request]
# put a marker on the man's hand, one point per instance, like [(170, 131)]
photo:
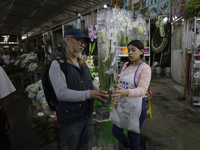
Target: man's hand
[(121, 92), (97, 95), (9, 125)]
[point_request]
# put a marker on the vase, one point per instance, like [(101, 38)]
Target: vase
[(103, 114), (108, 99)]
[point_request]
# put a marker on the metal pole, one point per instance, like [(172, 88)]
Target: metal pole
[(133, 8)]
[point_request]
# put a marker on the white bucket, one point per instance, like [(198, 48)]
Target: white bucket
[(168, 71), (153, 69), (158, 70)]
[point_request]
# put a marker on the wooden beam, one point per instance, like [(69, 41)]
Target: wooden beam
[(93, 22), (133, 8)]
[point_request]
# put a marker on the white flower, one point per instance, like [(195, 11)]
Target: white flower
[(40, 114)]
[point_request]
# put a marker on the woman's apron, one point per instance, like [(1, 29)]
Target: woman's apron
[(128, 111)]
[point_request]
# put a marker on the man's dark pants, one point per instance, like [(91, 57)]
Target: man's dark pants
[(79, 135)]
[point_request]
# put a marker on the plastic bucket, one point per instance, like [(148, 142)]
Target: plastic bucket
[(168, 71), (153, 69), (158, 70), (124, 51), (197, 56)]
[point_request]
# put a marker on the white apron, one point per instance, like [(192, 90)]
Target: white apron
[(128, 111)]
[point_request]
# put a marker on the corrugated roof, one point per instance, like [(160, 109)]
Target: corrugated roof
[(21, 16)]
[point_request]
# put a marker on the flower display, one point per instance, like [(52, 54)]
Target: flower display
[(29, 62), (90, 62), (45, 126), (92, 36), (36, 93)]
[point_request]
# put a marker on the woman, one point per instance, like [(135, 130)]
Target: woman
[(129, 111)]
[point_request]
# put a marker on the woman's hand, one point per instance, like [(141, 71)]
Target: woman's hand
[(121, 92)]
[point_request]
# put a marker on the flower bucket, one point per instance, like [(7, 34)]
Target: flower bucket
[(196, 80), (103, 114), (168, 70), (38, 105), (196, 69), (197, 56), (158, 70), (119, 50), (196, 99), (124, 51)]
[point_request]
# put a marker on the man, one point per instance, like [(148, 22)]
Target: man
[(75, 92), (6, 124), (6, 58)]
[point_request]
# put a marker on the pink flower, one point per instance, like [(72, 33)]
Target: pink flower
[(92, 33), (54, 113), (55, 119)]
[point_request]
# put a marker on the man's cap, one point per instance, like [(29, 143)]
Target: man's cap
[(137, 43), (77, 33)]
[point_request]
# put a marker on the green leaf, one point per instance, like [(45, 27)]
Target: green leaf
[(93, 46), (90, 47)]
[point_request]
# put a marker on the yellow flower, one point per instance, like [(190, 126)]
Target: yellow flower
[(89, 62)]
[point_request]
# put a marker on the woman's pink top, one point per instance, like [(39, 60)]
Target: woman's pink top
[(142, 79)]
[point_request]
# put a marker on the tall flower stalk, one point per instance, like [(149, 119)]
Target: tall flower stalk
[(92, 36)]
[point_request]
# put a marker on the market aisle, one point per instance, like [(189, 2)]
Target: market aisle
[(170, 116), (22, 136)]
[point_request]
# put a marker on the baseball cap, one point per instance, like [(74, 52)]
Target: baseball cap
[(77, 33)]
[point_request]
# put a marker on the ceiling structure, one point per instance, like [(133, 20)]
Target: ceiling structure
[(19, 17)]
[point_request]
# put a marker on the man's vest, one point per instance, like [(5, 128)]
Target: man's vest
[(79, 80)]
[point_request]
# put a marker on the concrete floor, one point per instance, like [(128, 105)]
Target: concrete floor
[(172, 119)]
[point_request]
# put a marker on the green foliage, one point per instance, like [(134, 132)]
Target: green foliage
[(191, 8), (14, 71), (106, 80)]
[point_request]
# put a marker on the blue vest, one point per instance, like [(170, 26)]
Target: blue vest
[(80, 80)]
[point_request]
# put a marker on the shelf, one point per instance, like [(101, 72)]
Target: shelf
[(197, 61), (126, 47), (196, 54), (196, 104), (127, 55)]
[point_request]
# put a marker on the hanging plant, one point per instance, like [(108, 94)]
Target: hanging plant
[(191, 8)]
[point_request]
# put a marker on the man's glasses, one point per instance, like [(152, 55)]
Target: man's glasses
[(80, 41)]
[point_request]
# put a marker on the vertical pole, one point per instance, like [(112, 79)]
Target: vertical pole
[(93, 22), (133, 8)]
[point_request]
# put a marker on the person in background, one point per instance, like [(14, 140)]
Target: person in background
[(75, 93), (6, 123), (6, 58), (48, 57), (130, 108)]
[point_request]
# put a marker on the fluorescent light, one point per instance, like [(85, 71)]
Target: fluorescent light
[(165, 19), (6, 46), (105, 6)]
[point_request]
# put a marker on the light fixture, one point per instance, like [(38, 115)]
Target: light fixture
[(6, 46), (165, 19), (105, 6)]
